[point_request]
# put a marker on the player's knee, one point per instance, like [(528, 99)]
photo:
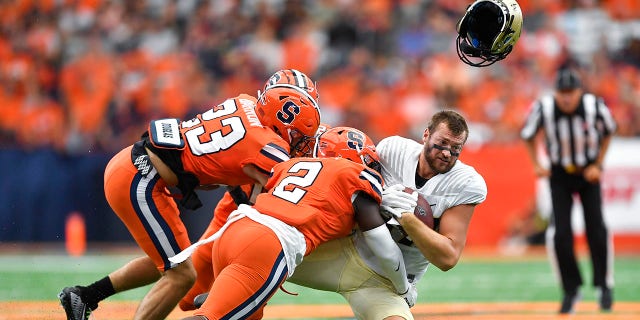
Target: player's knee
[(183, 276)]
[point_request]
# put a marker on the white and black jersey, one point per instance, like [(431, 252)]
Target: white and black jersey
[(461, 185), (572, 140)]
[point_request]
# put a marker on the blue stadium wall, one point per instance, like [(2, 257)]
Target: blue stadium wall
[(39, 189)]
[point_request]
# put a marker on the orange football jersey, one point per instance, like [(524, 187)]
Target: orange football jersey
[(315, 196), (220, 141)]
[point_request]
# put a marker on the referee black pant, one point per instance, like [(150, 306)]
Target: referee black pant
[(563, 187)]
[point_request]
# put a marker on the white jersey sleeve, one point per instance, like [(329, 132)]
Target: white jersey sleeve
[(461, 185)]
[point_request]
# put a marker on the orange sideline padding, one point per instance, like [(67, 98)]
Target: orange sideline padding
[(510, 180), (511, 196)]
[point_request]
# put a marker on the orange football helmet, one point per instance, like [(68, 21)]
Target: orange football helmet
[(288, 105), (348, 143), (293, 78)]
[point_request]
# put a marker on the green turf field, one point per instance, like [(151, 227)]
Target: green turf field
[(40, 277)]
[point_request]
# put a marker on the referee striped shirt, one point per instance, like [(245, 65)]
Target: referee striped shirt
[(573, 140)]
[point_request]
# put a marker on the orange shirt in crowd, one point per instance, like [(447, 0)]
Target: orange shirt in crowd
[(623, 9), (88, 85), (299, 50), (42, 124), (339, 88), (10, 107), (18, 74), (240, 81), (382, 113), (168, 86)]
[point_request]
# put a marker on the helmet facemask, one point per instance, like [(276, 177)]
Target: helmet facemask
[(301, 145), (371, 162), (306, 147)]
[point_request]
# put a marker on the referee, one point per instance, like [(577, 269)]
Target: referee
[(577, 130)]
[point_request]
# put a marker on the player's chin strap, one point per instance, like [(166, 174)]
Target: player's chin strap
[(485, 57), (286, 291)]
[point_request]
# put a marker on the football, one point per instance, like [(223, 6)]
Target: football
[(423, 210)]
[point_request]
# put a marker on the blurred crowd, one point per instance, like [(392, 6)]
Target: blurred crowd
[(85, 76)]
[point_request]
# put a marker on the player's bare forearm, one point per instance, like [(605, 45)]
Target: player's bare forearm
[(253, 172), (443, 248), (434, 246)]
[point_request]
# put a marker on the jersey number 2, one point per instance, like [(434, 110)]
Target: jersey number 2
[(291, 187)]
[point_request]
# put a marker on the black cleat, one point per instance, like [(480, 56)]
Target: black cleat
[(74, 307), (605, 298), (569, 302), (198, 301)]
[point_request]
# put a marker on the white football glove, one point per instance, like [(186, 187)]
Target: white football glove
[(411, 296), (396, 201)]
